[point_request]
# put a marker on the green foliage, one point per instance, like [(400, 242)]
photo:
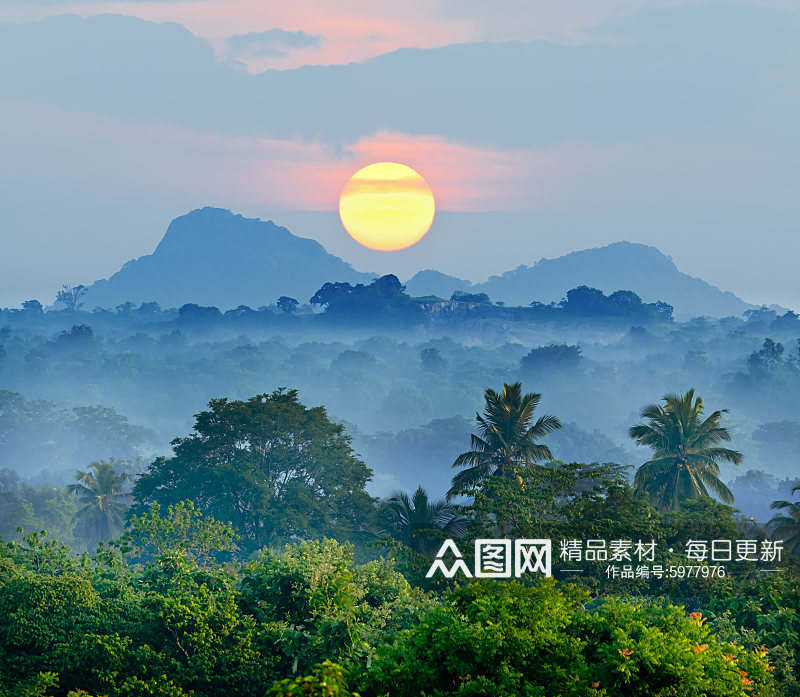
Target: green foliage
[(686, 452), (309, 596), (507, 438), (103, 501), (155, 614), (658, 650), (183, 531), (169, 627), (418, 522), (35, 508), (763, 613), (785, 525), (388, 600), (575, 501), (506, 639), (35, 686), (165, 611), (327, 680), (45, 617), (272, 467), (318, 606), (37, 435), (555, 500), (35, 553)]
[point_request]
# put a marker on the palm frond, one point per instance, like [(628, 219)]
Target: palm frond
[(686, 451), (506, 439)]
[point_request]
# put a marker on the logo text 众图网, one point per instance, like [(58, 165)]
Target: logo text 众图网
[(494, 559)]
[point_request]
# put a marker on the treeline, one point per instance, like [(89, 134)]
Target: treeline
[(384, 301), (36, 431)]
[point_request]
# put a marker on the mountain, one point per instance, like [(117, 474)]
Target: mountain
[(619, 266), (214, 257), (431, 282)]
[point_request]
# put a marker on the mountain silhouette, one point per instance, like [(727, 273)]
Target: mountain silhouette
[(214, 257), (619, 266)]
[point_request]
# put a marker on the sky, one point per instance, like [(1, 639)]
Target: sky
[(542, 127)]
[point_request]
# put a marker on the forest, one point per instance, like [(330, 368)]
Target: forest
[(247, 503)]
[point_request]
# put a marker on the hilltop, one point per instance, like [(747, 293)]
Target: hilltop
[(212, 256), (619, 266)]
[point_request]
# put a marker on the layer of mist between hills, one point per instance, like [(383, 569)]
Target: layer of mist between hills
[(408, 396)]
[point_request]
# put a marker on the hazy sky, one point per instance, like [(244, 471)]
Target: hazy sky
[(542, 128)]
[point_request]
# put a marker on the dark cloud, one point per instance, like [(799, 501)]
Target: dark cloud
[(273, 42)]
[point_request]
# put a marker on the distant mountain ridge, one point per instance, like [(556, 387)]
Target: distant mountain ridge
[(212, 256), (619, 266)]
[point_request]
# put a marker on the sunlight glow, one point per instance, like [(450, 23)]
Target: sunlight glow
[(387, 206)]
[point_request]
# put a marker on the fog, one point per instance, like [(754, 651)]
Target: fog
[(81, 386)]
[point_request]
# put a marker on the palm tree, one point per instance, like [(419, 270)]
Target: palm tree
[(686, 452), (418, 522), (747, 526), (506, 439), (787, 525), (104, 500)]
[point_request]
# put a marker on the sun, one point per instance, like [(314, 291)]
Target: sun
[(387, 206)]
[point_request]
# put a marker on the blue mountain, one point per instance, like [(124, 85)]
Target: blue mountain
[(214, 257), (619, 266)]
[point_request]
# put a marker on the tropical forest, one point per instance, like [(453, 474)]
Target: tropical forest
[(295, 499)]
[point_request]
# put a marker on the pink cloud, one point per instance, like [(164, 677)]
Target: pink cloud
[(103, 153), (463, 177), (356, 30), (472, 178)]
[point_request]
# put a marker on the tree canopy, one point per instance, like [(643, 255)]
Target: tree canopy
[(103, 500), (274, 468), (506, 439), (384, 299), (686, 451)]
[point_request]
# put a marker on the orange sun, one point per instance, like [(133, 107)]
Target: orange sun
[(387, 206)]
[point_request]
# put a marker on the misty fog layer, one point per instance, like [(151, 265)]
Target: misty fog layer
[(80, 386)]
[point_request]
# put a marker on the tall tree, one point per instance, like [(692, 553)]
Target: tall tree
[(103, 501), (786, 525), (71, 296), (686, 451), (506, 439), (287, 305), (272, 467), (418, 522)]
